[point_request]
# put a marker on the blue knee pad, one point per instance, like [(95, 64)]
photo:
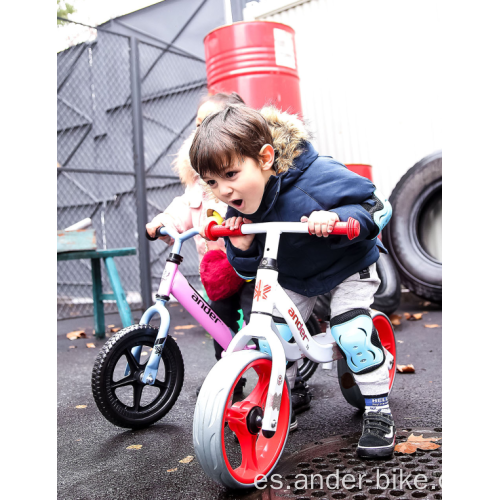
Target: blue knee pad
[(357, 337), (285, 332)]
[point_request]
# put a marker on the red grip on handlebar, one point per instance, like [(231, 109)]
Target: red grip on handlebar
[(213, 231), (349, 228)]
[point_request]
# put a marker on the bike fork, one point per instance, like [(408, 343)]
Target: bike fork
[(151, 370)]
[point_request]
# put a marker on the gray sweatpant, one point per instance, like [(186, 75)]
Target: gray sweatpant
[(353, 293)]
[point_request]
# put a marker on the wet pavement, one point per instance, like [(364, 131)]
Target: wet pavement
[(93, 459)]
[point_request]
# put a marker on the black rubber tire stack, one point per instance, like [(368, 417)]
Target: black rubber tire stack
[(388, 294), (418, 190)]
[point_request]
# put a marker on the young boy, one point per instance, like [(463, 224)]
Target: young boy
[(263, 166), (190, 210)]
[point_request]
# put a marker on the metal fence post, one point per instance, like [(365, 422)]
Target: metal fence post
[(140, 173)]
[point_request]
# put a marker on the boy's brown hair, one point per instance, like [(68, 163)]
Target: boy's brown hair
[(226, 136)]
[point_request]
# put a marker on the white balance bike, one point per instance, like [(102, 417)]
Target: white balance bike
[(239, 442)]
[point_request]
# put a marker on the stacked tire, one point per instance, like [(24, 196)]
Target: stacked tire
[(413, 235), (388, 295)]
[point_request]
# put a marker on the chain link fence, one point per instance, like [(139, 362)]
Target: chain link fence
[(97, 174)]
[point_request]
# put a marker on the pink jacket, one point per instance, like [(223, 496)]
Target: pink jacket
[(190, 209)]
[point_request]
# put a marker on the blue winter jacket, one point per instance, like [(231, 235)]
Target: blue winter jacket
[(307, 264)]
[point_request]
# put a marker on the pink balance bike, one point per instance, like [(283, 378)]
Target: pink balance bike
[(239, 442), (139, 372)]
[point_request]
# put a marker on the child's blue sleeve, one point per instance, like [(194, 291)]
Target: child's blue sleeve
[(349, 195), (244, 262)]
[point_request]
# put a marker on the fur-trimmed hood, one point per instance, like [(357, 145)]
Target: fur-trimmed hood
[(288, 133), (287, 130)]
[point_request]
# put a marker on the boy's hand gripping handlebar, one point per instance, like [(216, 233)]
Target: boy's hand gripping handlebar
[(213, 231)]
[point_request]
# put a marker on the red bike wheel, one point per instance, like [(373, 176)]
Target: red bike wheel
[(386, 335), (258, 454)]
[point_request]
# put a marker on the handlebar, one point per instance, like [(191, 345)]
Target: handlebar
[(156, 236), (179, 239), (213, 231), (163, 231)]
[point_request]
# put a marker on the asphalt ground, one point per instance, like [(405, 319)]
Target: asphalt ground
[(93, 459)]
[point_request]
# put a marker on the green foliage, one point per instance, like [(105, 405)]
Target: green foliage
[(63, 9)]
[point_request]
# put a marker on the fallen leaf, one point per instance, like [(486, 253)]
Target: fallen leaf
[(426, 303), (421, 439), (405, 368), (81, 406), (406, 447), (413, 317), (184, 327), (415, 442), (72, 346), (111, 326), (400, 342), (186, 460), (174, 304), (114, 330), (203, 342), (134, 447), (77, 334), (395, 319), (181, 310), (171, 470), (432, 326), (90, 345)]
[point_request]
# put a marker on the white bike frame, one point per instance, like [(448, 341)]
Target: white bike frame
[(269, 294)]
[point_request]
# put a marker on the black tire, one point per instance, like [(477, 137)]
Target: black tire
[(114, 355), (388, 295), (308, 366), (416, 195)]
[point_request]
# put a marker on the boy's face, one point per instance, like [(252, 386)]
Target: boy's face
[(242, 185)]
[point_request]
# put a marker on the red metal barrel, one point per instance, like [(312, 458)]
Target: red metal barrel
[(361, 169), (257, 60)]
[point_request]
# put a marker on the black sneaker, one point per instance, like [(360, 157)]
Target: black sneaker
[(379, 436), (301, 397), (237, 390)]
